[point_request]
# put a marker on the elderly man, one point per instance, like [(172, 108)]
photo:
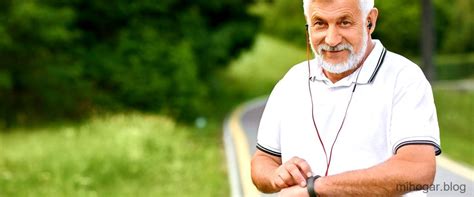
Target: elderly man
[(356, 120)]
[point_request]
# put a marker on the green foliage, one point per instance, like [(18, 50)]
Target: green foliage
[(121, 155), (398, 25), (455, 24), (283, 18), (68, 58)]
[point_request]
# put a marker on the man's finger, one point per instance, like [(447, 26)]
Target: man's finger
[(280, 182), (304, 167), (296, 174), (287, 177)]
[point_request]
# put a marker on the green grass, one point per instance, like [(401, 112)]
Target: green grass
[(120, 155), (456, 120), (260, 68)]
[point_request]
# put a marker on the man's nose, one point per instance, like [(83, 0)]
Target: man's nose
[(333, 38)]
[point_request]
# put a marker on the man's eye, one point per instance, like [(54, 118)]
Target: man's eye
[(318, 23), (345, 23)]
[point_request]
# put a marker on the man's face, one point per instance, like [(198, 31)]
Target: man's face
[(338, 34)]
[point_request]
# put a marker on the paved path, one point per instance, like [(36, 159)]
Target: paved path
[(241, 133)]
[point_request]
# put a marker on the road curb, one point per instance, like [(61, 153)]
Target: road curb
[(237, 151), (232, 167), (456, 168)]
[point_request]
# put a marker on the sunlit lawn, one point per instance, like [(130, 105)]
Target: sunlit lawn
[(119, 155), (259, 69)]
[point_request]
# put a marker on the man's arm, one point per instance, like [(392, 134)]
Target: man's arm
[(270, 176), (411, 166)]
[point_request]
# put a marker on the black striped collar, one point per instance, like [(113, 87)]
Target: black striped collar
[(372, 64)]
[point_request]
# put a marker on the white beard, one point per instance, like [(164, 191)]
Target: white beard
[(351, 63)]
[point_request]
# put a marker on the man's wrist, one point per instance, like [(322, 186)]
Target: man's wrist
[(310, 185)]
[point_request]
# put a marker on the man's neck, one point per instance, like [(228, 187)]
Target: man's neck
[(335, 77)]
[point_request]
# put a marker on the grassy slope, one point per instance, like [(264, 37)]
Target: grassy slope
[(456, 120), (261, 68), (120, 155)]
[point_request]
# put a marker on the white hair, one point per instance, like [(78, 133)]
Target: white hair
[(364, 5)]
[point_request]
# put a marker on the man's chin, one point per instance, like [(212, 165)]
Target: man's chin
[(334, 60), (335, 63), (337, 68)]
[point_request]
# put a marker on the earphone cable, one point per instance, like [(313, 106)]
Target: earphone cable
[(310, 79)]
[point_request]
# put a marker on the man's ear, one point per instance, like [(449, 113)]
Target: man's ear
[(372, 19)]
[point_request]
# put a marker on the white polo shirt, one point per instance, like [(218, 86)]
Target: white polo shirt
[(392, 106)]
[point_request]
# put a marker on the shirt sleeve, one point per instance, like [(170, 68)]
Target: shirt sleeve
[(268, 137), (414, 119)]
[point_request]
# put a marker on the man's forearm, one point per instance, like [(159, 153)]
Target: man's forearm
[(262, 171), (386, 179)]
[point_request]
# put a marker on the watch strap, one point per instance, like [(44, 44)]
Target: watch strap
[(310, 185)]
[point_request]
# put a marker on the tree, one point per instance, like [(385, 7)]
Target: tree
[(427, 39), (68, 58), (455, 26)]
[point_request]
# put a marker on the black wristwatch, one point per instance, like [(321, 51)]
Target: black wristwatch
[(310, 185)]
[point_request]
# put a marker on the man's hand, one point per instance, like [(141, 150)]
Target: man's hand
[(293, 172), (270, 175), (294, 191)]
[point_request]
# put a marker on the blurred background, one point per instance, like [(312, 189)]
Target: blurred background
[(128, 97)]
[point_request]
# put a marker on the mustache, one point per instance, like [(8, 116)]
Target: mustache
[(339, 47)]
